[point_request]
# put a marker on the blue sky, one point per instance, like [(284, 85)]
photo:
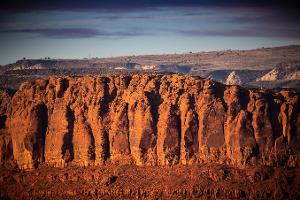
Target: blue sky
[(77, 32)]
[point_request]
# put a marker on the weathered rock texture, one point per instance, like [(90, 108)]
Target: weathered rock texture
[(5, 139), (151, 120)]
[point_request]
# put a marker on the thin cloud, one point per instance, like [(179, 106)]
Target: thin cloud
[(72, 33), (246, 32)]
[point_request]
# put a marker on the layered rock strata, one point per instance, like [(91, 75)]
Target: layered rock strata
[(151, 120)]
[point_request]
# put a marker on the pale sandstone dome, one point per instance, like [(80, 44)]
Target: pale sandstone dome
[(233, 79), (150, 120), (289, 72), (293, 76)]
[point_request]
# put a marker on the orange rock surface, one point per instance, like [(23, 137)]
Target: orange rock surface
[(151, 120), (5, 139)]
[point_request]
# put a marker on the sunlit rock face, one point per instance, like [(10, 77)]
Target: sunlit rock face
[(233, 79), (149, 120)]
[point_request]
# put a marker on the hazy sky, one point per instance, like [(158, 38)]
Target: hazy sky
[(77, 29)]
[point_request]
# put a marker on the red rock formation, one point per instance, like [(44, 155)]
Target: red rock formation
[(4, 101), (5, 139), (149, 120)]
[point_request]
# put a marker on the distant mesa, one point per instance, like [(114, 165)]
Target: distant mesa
[(270, 68)]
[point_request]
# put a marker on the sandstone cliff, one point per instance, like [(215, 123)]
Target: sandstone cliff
[(5, 139), (151, 120)]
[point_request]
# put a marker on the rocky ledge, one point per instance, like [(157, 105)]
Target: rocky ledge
[(148, 120)]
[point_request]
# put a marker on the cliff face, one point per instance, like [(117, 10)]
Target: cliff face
[(5, 139), (151, 120)]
